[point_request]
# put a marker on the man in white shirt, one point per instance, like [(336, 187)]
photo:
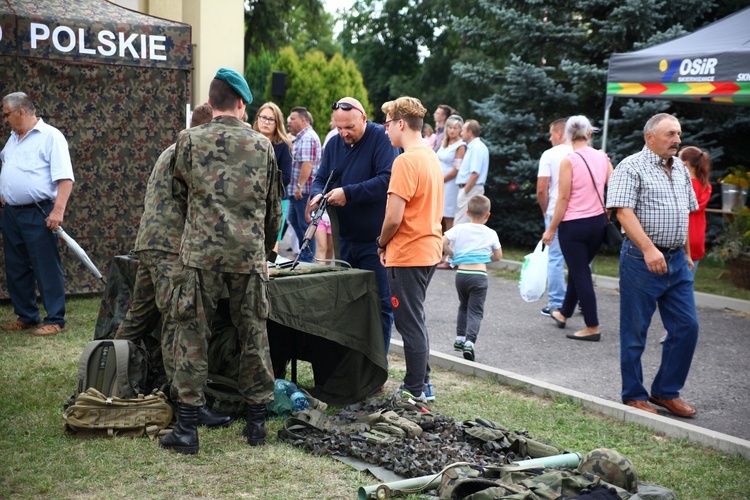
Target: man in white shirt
[(472, 175), (546, 193), (36, 172)]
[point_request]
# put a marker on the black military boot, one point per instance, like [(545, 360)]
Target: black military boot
[(255, 430), (184, 437), (207, 417)]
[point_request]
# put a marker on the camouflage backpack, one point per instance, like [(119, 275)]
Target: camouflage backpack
[(112, 367), (92, 414)]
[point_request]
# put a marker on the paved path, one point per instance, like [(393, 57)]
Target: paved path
[(517, 338)]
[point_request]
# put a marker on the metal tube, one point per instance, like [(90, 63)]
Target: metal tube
[(564, 460), (385, 490), (607, 105)]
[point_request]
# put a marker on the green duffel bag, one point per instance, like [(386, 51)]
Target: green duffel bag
[(223, 396)]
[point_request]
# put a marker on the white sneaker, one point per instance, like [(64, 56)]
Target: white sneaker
[(403, 393), (429, 394)]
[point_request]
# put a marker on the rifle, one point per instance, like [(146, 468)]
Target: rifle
[(315, 220)]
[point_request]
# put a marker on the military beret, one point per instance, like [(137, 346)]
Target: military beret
[(237, 82)]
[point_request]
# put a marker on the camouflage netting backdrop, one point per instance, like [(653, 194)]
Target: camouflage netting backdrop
[(118, 115)]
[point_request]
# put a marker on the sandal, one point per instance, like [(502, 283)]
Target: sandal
[(18, 325), (49, 329)]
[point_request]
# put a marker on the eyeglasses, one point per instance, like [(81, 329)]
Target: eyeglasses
[(387, 123), (346, 107), (267, 119)]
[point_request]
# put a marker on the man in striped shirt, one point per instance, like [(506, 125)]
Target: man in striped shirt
[(653, 195)]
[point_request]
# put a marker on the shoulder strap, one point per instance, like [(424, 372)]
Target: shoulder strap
[(122, 387), (83, 366), (96, 370), (601, 200)]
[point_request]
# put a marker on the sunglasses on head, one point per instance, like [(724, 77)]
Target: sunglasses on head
[(346, 107)]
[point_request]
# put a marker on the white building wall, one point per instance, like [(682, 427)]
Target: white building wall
[(218, 31)]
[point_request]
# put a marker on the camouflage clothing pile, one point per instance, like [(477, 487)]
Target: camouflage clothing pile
[(365, 431), (473, 460), (492, 483)]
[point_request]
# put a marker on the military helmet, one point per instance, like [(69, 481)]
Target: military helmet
[(612, 467)]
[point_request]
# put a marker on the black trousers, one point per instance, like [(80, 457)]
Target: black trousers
[(580, 240)]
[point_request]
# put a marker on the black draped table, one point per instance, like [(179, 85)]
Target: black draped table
[(325, 315)]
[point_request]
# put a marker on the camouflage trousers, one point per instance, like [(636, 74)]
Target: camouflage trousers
[(150, 302), (193, 303)]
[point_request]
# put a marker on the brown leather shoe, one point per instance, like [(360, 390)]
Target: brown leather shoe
[(674, 406), (49, 329), (642, 405), (17, 325)]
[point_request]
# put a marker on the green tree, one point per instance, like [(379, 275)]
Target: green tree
[(435, 83), (257, 73), (315, 82), (288, 62), (273, 24), (389, 40)]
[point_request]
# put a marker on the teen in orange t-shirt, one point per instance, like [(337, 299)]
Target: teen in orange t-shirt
[(410, 242)]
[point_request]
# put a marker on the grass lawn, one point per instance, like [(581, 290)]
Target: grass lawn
[(37, 375), (712, 275)]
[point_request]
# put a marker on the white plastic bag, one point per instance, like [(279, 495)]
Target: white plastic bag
[(533, 280)]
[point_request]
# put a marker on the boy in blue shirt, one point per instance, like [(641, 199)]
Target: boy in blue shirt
[(471, 246)]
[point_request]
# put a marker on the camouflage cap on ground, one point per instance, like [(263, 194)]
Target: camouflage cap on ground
[(237, 82), (612, 466)]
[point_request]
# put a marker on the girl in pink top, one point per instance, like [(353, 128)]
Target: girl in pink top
[(581, 219)]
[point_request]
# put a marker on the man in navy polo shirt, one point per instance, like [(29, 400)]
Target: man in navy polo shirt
[(360, 157)]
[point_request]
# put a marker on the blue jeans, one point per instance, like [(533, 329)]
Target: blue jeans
[(365, 256), (695, 268), (640, 292), (555, 271), (296, 218), (32, 257)]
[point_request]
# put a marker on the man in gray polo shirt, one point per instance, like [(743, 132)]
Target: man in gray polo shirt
[(653, 195)]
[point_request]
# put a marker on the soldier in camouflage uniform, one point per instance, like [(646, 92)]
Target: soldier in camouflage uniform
[(227, 182), (158, 246)]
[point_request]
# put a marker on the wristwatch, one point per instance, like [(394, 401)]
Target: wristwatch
[(377, 243), (299, 186)]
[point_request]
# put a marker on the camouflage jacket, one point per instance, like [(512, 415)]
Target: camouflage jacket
[(227, 182), (162, 221)]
